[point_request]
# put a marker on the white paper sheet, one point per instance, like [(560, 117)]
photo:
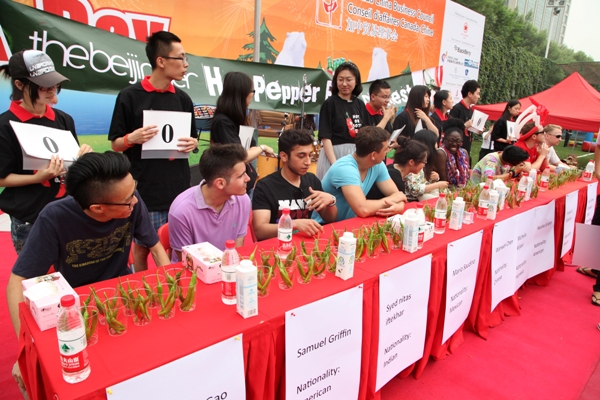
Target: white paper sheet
[(246, 135), (323, 346), (543, 239), (419, 126), (585, 253), (524, 254), (40, 143), (510, 130), (395, 134), (403, 300), (215, 370), (569, 226), (478, 120), (461, 273), (504, 260), (172, 125), (591, 202)]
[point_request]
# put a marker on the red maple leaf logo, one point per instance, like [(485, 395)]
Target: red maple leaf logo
[(330, 7)]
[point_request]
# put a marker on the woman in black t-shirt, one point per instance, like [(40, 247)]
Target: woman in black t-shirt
[(443, 103), (341, 116), (417, 109), (499, 131), (231, 113), (35, 84)]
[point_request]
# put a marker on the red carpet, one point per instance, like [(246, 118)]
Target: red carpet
[(550, 352)]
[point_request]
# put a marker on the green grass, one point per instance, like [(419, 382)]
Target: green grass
[(100, 144)]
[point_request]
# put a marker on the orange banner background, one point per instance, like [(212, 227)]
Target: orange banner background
[(221, 28)]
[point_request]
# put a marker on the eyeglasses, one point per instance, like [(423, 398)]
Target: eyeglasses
[(556, 136), (50, 88), (383, 97), (422, 162), (454, 141), (253, 91), (129, 205), (347, 80), (184, 58)]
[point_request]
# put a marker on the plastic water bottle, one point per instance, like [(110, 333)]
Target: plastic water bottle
[(284, 233), (229, 263), (484, 203), (441, 208), (545, 179), (71, 341), (522, 188), (456, 216), (589, 171)]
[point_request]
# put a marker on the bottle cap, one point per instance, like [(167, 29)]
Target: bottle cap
[(486, 187), (246, 263), (442, 195), (525, 173), (286, 211), (420, 205), (459, 199), (230, 244), (348, 235), (67, 300)]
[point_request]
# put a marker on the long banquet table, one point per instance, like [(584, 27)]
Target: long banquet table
[(142, 349)]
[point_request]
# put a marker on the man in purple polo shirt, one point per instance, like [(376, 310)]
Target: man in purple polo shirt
[(217, 209)]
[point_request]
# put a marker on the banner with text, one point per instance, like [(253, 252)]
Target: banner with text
[(382, 37), (524, 253), (543, 239), (504, 260), (460, 52), (323, 347), (403, 300), (590, 206), (181, 379), (461, 273), (569, 226)]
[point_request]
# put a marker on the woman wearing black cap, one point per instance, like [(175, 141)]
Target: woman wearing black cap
[(35, 84)]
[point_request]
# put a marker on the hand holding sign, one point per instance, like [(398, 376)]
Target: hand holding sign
[(41, 144), (171, 126), (56, 167), (142, 135), (477, 122)]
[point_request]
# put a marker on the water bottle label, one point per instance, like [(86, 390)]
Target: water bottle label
[(587, 175), (73, 353), (544, 183), (483, 208), (285, 239), (228, 288), (440, 222)]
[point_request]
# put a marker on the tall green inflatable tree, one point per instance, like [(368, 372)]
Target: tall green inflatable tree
[(268, 54)]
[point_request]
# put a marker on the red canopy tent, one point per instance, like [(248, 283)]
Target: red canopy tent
[(573, 104)]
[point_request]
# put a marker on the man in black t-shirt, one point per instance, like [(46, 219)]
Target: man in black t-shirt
[(378, 111), (471, 91), (160, 180), (291, 187), (87, 235)]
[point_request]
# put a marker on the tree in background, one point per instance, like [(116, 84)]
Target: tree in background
[(512, 57), (268, 54)]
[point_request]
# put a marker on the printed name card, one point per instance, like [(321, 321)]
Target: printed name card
[(510, 130), (590, 206), (478, 120), (323, 346), (216, 372), (40, 143), (171, 125), (403, 300), (569, 226), (504, 260), (524, 246), (585, 252), (462, 265), (246, 135), (543, 239)]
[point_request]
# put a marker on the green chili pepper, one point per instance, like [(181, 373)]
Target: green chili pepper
[(147, 287), (159, 291), (253, 254), (98, 302), (284, 275)]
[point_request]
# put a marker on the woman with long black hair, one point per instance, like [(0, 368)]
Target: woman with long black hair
[(499, 132), (231, 113), (417, 109), (426, 184)]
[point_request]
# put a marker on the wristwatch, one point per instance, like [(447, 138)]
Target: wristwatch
[(262, 147), (333, 201)]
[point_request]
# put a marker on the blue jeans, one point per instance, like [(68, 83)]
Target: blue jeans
[(19, 231)]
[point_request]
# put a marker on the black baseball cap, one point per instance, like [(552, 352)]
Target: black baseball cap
[(36, 67)]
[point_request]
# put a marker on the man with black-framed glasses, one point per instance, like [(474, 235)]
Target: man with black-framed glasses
[(292, 187), (379, 112), (87, 235), (160, 180)]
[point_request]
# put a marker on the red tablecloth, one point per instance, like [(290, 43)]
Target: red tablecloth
[(116, 359)]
